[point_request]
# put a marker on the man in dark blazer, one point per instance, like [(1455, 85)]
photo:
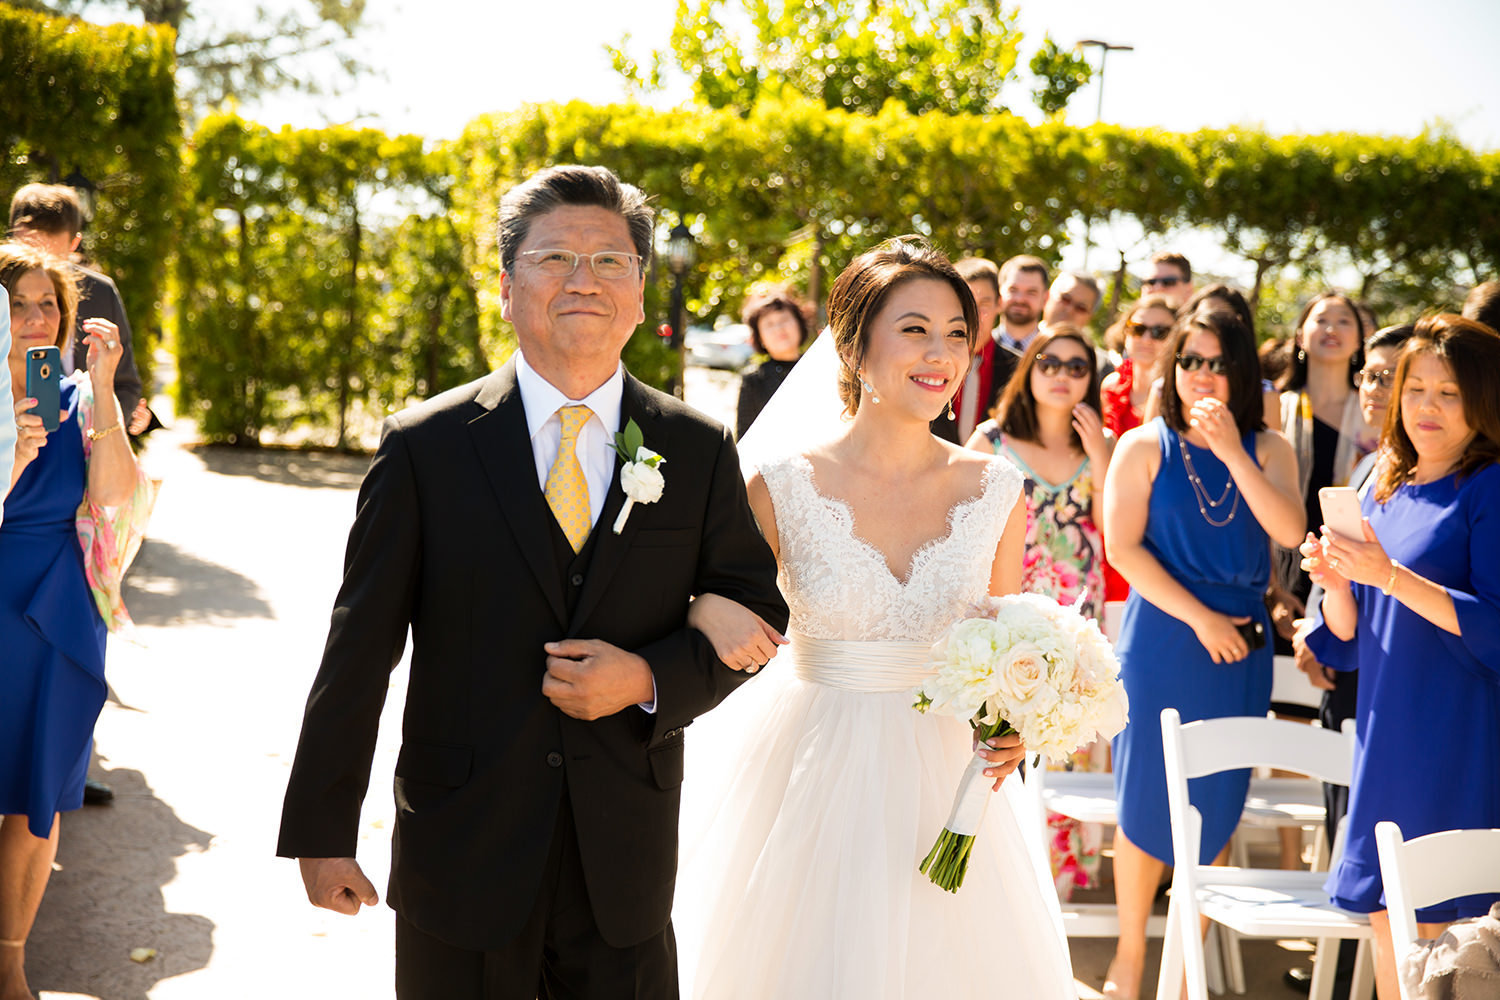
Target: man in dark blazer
[(552, 672)]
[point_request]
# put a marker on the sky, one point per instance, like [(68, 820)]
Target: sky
[(1376, 66)]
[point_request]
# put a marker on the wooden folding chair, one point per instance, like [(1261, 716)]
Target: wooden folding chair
[(1428, 870), (1251, 902)]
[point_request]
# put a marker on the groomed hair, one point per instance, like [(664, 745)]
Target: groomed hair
[(19, 259), (860, 293), (46, 208), (757, 307), (979, 269), (1482, 304), (1471, 351), (570, 184), (1237, 345), (1016, 411), (1391, 336), (1176, 260), (1296, 374), (1087, 281), (1024, 263), (1221, 296), (1114, 337)]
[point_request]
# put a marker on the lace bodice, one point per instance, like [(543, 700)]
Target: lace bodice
[(838, 586)]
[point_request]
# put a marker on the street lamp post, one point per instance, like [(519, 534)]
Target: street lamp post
[(1105, 48), (681, 252)]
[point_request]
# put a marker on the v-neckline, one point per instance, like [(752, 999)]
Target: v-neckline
[(1050, 487), (922, 551)]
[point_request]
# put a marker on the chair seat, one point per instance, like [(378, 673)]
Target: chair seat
[(1270, 903), (1088, 796)]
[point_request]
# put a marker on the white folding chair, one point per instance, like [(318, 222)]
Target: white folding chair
[(1428, 870), (1251, 902)]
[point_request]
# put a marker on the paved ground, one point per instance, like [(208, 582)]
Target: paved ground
[(231, 595)]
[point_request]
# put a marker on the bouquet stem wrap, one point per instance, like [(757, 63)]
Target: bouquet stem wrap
[(948, 861)]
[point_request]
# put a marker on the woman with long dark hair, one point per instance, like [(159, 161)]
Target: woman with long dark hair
[(1192, 501)]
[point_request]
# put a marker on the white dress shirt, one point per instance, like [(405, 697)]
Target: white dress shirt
[(596, 438)]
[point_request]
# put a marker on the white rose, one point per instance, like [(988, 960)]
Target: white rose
[(1020, 674), (641, 482), (1111, 712)]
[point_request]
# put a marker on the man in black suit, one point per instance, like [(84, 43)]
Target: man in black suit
[(552, 673)]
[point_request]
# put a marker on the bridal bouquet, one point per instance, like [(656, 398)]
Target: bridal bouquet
[(1018, 664)]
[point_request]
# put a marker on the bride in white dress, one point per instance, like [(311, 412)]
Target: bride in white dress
[(814, 793)]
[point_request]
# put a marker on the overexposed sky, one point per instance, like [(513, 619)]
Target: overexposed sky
[(1304, 66)]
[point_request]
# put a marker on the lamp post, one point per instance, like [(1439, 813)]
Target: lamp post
[(681, 252), (1105, 48)]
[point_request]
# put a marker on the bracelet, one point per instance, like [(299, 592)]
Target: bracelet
[(1390, 584), (98, 435)]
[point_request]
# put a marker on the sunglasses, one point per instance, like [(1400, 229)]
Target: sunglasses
[(1167, 281), (1371, 378), (1192, 362), (1154, 332), (1075, 367)]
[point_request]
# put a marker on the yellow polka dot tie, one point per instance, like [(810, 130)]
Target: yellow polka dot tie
[(567, 491)]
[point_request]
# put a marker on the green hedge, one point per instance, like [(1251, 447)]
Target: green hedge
[(99, 101)]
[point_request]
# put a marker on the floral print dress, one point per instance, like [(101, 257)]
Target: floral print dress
[(1064, 560)]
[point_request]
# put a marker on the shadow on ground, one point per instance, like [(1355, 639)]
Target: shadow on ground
[(313, 469), (167, 585), (105, 899)]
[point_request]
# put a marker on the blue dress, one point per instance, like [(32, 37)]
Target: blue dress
[(51, 636), (1162, 663), (1427, 753)]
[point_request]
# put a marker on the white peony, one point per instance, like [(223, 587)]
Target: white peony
[(641, 482)]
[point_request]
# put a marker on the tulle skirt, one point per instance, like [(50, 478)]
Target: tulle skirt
[(812, 796)]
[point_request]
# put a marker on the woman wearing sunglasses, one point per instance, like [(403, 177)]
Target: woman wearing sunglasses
[(1139, 336), (1192, 501), (1050, 428)]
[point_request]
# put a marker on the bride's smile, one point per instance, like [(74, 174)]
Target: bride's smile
[(918, 349)]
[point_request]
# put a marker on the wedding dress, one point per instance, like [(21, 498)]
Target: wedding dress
[(815, 791)]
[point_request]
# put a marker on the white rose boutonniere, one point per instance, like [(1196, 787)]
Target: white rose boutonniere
[(640, 476)]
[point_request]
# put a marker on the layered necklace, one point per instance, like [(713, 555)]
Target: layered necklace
[(1206, 502)]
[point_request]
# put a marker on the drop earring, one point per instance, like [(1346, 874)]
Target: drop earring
[(951, 414), (866, 386)]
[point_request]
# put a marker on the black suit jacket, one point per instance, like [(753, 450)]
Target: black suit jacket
[(453, 538)]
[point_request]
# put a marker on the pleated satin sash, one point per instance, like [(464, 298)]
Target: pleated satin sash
[(873, 667)]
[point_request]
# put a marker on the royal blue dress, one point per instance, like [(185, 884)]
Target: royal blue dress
[(51, 636), (1162, 663), (1427, 753)]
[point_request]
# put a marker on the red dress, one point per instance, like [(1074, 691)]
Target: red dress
[(1119, 417)]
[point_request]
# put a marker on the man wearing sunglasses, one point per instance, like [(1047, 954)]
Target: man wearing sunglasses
[(1171, 277), (1073, 299)]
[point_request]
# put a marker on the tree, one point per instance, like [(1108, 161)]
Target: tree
[(262, 53), (1060, 73), (952, 56)]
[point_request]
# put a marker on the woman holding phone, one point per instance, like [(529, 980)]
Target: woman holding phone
[(52, 687), (1414, 603), (1192, 500)]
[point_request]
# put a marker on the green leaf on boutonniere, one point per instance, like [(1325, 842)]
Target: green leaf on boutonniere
[(628, 442)]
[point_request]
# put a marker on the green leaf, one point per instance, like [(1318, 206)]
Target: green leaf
[(633, 439)]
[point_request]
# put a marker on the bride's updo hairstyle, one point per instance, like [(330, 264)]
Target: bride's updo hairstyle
[(860, 293)]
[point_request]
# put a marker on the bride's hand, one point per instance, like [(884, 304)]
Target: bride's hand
[(1005, 753), (740, 637)]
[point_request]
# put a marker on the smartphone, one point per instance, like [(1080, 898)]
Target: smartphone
[(1254, 634), (44, 383), (1341, 511)]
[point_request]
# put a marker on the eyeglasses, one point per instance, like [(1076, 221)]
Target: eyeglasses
[(1154, 332), (1166, 281), (1192, 362), (1075, 367), (1074, 304), (1372, 377), (607, 264)]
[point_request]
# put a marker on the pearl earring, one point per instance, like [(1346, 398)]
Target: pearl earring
[(866, 386), (951, 414)]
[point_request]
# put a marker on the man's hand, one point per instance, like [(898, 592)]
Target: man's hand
[(337, 884), (589, 679)]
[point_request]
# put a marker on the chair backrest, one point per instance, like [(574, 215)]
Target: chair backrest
[(1290, 686), (1433, 869), (1213, 745)]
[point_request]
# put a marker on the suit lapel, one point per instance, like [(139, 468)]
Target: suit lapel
[(609, 548), (504, 447)]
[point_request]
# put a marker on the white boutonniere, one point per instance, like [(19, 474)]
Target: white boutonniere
[(640, 476)]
